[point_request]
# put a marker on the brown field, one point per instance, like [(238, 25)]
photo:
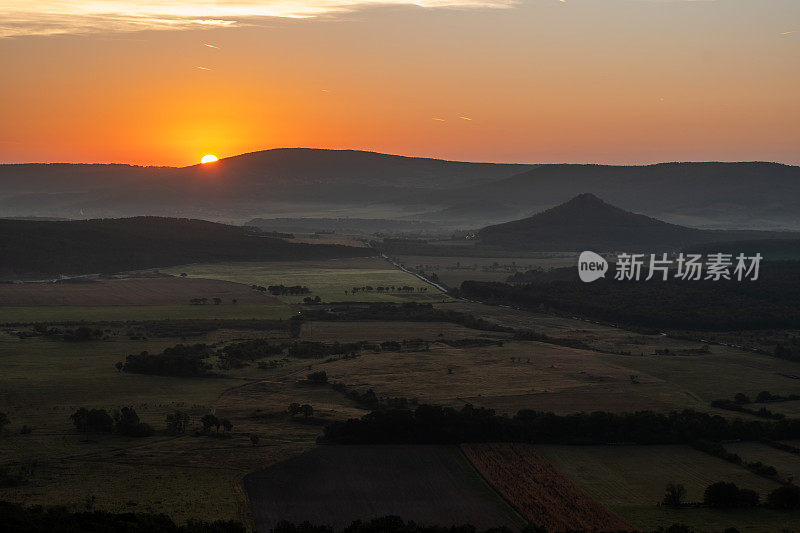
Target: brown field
[(540, 493), (336, 485), (129, 291), (519, 374)]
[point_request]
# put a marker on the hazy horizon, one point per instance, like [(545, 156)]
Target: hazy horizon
[(542, 81), (222, 158)]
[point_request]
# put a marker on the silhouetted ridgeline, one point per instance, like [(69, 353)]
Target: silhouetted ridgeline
[(770, 302), (29, 248)]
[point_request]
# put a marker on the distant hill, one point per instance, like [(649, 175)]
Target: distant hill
[(300, 181), (714, 195), (588, 223), (306, 183), (39, 248)]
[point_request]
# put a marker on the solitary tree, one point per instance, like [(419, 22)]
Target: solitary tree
[(226, 424), (209, 421), (674, 494), (177, 423), (217, 300), (294, 409), (307, 410), (254, 439)]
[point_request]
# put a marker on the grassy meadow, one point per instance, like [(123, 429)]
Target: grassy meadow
[(331, 280)]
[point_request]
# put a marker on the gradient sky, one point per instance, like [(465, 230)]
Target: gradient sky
[(609, 81)]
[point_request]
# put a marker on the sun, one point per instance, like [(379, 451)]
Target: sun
[(209, 158)]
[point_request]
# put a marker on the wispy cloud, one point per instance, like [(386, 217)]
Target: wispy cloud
[(49, 17)]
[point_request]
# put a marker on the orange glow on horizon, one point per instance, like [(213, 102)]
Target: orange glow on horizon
[(544, 82)]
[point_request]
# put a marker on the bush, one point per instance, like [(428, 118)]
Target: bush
[(127, 423), (93, 421), (785, 497), (726, 495), (674, 494), (318, 378)]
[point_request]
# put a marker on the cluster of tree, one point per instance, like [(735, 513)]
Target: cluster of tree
[(316, 350), (123, 422), (318, 378), (407, 312), (178, 422), (726, 495), (212, 421), (471, 342), (82, 334), (305, 409), (733, 405), (370, 400), (182, 360), (19, 519), (282, 290), (388, 288), (768, 303), (203, 301), (309, 300), (718, 450), (430, 424), (238, 353)]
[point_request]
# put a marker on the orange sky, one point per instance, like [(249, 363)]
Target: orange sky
[(616, 81)]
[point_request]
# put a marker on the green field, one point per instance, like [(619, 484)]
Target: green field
[(630, 480), (55, 313), (331, 280)]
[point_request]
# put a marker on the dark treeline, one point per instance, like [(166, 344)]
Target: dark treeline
[(444, 425), (123, 422), (114, 245), (410, 311), (768, 303), (182, 360), (21, 519)]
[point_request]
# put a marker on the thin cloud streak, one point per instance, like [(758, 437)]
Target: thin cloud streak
[(52, 17)]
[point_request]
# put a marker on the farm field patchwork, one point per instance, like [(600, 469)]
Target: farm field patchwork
[(542, 494), (335, 485)]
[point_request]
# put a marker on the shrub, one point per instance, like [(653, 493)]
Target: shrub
[(785, 497), (93, 421), (723, 494), (318, 378)]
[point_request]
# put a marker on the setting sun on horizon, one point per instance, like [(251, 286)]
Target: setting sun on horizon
[(209, 158)]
